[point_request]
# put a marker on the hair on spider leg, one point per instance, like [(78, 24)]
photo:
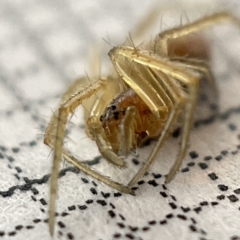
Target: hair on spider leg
[(184, 14), (50, 153), (129, 40), (108, 41), (181, 20), (134, 152)]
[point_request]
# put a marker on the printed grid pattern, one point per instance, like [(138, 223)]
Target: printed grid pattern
[(43, 45)]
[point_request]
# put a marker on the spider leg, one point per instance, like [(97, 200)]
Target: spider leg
[(161, 42), (135, 76), (103, 144), (178, 101), (192, 85), (129, 123), (191, 80), (172, 117), (87, 170), (202, 67), (54, 139)]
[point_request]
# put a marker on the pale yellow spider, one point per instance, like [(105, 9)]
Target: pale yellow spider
[(144, 101)]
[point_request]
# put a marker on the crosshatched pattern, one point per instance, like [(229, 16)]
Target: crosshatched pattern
[(43, 47)]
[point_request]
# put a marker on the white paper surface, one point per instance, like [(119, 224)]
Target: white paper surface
[(43, 48)]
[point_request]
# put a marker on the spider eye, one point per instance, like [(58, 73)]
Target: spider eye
[(116, 115), (112, 107)]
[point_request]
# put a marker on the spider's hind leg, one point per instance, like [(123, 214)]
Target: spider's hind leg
[(161, 42), (203, 68)]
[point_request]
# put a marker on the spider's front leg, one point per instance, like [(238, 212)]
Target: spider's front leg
[(54, 137), (55, 133)]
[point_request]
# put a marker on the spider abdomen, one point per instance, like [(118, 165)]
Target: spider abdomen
[(193, 46)]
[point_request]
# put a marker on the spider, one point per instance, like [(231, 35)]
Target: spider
[(151, 90)]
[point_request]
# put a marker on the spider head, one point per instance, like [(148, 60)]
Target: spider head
[(126, 122)]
